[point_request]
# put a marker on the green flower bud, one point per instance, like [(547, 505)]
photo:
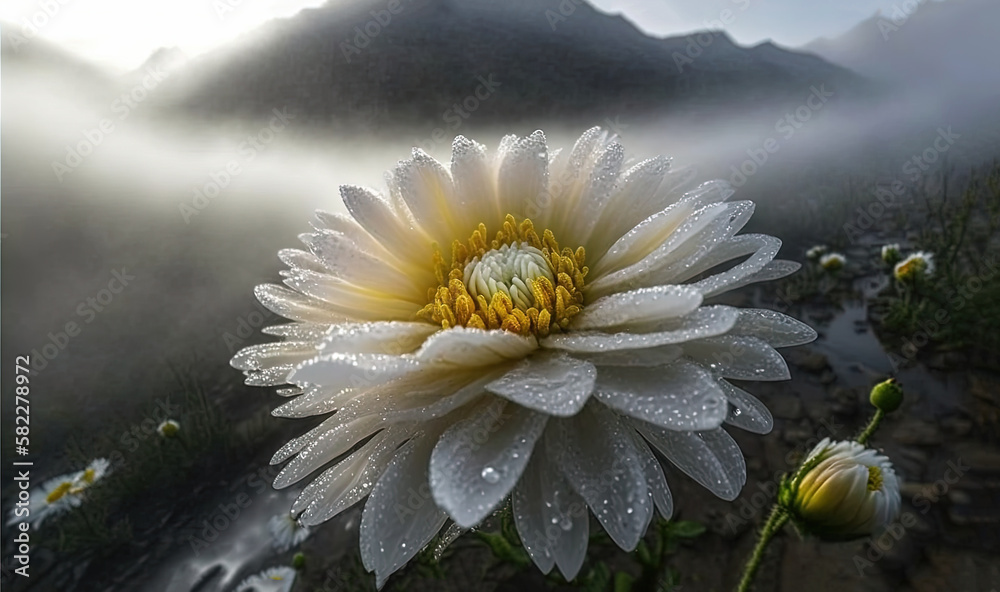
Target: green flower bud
[(887, 395), (299, 560)]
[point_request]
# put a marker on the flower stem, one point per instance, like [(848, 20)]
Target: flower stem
[(872, 426), (774, 523)]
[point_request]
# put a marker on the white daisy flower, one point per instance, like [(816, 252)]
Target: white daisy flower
[(815, 252), (529, 325), (917, 265), (274, 579), (169, 428), (94, 472), (832, 261), (286, 532), (891, 254), (845, 490), (59, 494), (51, 499)]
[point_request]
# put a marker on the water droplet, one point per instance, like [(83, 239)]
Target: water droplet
[(490, 475), (566, 523)]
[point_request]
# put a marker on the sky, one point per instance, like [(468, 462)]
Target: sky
[(121, 34)]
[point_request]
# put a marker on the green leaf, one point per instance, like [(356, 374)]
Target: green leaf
[(686, 529)]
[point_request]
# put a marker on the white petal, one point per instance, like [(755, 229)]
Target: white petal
[(746, 411), (478, 460), (728, 280), (345, 300), (392, 229), (552, 519), (350, 480), (351, 370), (297, 259), (392, 338), (681, 246), (295, 306), (711, 458), (460, 346), (425, 186), (681, 396), (341, 255), (596, 456), (665, 229), (744, 358), (655, 478), (269, 355), (705, 322), (551, 383), (522, 181), (475, 185), (337, 438), (777, 329), (638, 306), (297, 331), (653, 356), (400, 516), (596, 191), (527, 501)]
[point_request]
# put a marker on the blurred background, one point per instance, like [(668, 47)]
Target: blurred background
[(155, 156)]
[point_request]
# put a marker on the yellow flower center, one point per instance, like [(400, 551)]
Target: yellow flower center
[(874, 479), (517, 282), (911, 269), (58, 493)]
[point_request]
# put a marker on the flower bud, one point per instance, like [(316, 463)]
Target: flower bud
[(842, 491), (887, 395), (169, 428), (832, 262), (891, 254)]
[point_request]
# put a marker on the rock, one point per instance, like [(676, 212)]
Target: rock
[(828, 377), (957, 496), (913, 431), (985, 388), (967, 515)]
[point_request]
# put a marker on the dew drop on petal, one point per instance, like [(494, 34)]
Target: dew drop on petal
[(490, 475)]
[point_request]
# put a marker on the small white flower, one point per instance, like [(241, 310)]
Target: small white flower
[(94, 472), (917, 265), (832, 261), (844, 490), (815, 252), (525, 325), (169, 428), (59, 494), (891, 254), (286, 532), (274, 579)]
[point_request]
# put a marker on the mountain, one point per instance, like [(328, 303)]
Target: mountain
[(23, 53), (948, 46), (375, 64)]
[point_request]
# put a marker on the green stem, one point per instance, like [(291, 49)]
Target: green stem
[(773, 525), (872, 426)]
